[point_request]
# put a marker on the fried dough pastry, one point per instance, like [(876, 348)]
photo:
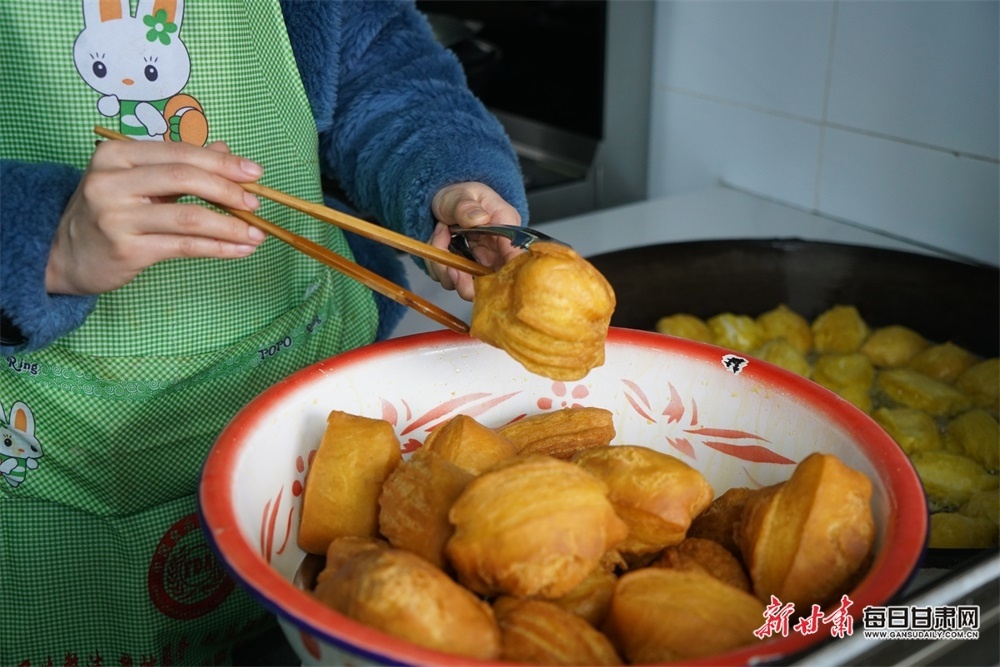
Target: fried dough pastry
[(906, 386), (536, 632), (561, 433), (342, 487), (806, 539), (659, 615), (783, 322), (533, 525), (913, 430), (839, 329), (944, 362), (857, 394), (548, 308), (736, 332), (654, 493), (415, 501), (696, 553), (893, 346), (590, 598), (780, 352), (983, 504), (977, 435), (950, 530), (982, 383), (342, 549), (468, 444), (951, 479), (837, 370), (403, 595), (685, 326), (720, 518)]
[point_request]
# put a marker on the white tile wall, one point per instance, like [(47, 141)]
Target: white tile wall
[(700, 141), (885, 113), (739, 52), (933, 197), (919, 71)]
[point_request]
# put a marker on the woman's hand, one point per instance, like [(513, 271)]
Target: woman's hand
[(124, 215), (471, 205)]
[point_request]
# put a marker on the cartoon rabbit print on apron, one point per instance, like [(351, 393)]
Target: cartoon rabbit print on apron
[(139, 65), (103, 433), (19, 449)]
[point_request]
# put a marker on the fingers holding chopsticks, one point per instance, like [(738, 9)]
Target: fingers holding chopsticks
[(123, 216), (471, 205)]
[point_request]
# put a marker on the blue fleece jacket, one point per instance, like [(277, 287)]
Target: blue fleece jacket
[(396, 123)]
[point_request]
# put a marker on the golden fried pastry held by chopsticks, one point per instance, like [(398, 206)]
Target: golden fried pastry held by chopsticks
[(561, 433), (401, 594), (655, 494), (659, 615), (532, 525), (354, 458), (548, 308), (805, 540), (536, 632)]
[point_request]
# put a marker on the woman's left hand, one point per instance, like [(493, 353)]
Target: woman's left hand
[(471, 205)]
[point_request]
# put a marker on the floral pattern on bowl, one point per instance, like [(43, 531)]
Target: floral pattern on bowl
[(741, 422)]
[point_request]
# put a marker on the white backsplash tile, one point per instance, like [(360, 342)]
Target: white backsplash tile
[(926, 72), (929, 196), (702, 142), (909, 134), (767, 54)]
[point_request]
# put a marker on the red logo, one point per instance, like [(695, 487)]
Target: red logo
[(185, 580)]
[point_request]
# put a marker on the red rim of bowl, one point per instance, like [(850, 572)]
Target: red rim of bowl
[(904, 539)]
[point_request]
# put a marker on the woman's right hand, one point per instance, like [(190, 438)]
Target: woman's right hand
[(124, 215)]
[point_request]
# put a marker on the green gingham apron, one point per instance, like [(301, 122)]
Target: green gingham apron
[(102, 558)]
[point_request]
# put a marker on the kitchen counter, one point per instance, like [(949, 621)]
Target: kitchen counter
[(718, 213)]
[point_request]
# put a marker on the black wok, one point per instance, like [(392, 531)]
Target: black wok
[(942, 299)]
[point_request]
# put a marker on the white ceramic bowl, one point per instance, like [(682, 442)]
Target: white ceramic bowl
[(740, 422)]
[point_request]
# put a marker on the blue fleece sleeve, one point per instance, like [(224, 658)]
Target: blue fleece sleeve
[(33, 198), (403, 123)]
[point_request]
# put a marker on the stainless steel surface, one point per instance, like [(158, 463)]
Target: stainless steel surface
[(972, 583), (463, 240)]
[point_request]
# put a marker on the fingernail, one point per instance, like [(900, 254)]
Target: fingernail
[(477, 213), (251, 168), (242, 249), (256, 234), (251, 201)]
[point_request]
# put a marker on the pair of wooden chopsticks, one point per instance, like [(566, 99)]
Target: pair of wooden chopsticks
[(342, 264)]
